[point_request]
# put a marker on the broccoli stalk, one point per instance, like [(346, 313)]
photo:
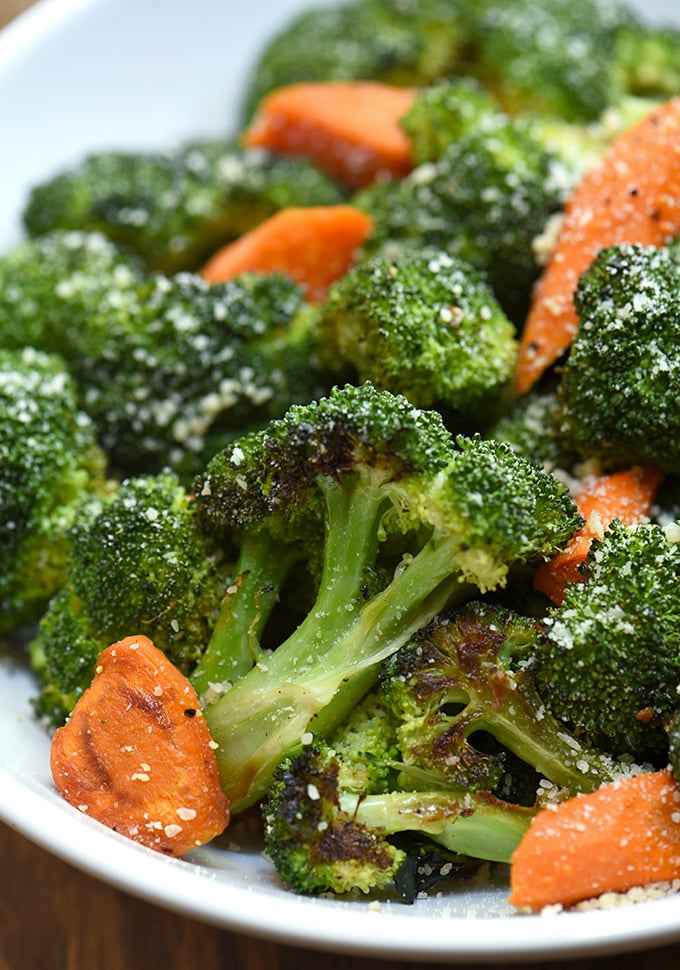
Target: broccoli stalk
[(369, 465)]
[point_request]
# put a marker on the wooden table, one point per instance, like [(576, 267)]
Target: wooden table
[(54, 917)]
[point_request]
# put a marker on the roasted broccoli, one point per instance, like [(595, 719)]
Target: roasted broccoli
[(425, 325), (647, 60), (468, 678), (49, 464), (326, 833), (485, 200), (608, 660), (622, 376), (169, 368), (138, 561), (371, 466), (395, 41), (550, 58), (175, 208)]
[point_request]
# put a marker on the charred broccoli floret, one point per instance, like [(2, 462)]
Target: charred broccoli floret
[(326, 833), (175, 208), (425, 325), (49, 464), (609, 665), (371, 466), (468, 677)]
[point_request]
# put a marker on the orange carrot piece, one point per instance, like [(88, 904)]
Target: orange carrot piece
[(136, 753), (350, 129), (629, 196), (625, 834), (627, 495), (314, 245)]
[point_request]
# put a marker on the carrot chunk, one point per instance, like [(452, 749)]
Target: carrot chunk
[(350, 129), (631, 195), (623, 835), (627, 495), (315, 246), (136, 753)]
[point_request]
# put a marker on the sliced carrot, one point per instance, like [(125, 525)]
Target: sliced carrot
[(136, 753), (632, 195), (627, 495), (623, 835), (314, 245), (350, 129)]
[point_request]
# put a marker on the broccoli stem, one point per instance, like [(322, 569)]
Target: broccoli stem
[(264, 716), (479, 826), (234, 645)]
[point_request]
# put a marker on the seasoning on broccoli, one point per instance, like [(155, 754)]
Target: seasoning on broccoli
[(622, 376), (609, 664)]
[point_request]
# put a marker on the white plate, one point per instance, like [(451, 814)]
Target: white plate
[(75, 76)]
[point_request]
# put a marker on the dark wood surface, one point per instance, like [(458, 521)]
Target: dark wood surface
[(54, 917)]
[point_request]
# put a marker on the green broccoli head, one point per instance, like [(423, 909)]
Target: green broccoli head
[(485, 200), (392, 41), (551, 58), (139, 561), (464, 696), (623, 369), (187, 366), (425, 325), (444, 111), (63, 655), (609, 665), (175, 208), (43, 280), (49, 464), (647, 60)]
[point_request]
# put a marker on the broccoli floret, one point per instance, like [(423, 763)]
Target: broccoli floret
[(485, 200), (444, 111), (609, 665), (370, 465), (425, 325), (467, 678), (175, 208), (623, 371), (168, 368), (549, 58), (325, 833), (395, 41), (673, 730), (647, 60), (43, 280), (49, 464), (138, 560)]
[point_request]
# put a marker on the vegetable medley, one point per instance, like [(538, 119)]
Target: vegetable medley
[(339, 458)]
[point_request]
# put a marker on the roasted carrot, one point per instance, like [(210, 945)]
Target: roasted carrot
[(627, 495), (623, 835), (629, 196), (350, 129), (314, 245), (136, 753)]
